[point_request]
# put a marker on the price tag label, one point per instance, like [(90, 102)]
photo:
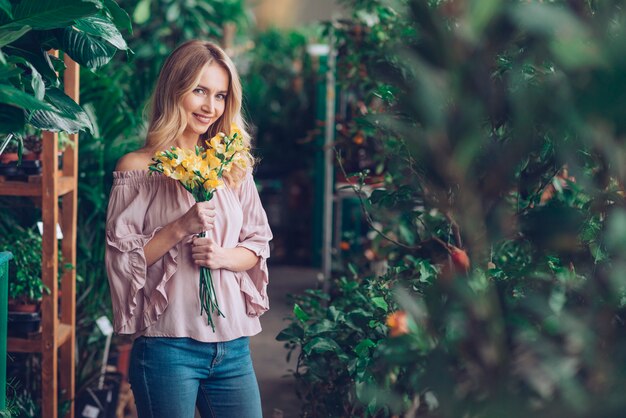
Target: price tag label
[(105, 325), (90, 412)]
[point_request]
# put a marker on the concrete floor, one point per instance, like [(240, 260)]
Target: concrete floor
[(276, 382)]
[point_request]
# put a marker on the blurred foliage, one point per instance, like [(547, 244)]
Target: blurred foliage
[(501, 128), (279, 84)]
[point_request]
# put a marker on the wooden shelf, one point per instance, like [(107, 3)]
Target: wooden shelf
[(33, 345), (56, 341), (33, 188)]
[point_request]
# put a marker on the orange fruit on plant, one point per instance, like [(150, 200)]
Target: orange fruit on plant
[(460, 259)]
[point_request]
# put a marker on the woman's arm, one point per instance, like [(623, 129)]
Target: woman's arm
[(162, 242), (207, 253)]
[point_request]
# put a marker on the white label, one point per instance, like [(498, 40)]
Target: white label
[(90, 412), (59, 232), (105, 325)]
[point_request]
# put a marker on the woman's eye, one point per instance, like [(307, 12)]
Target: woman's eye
[(221, 97), (199, 91)]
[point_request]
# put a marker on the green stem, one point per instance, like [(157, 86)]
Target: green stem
[(208, 296)]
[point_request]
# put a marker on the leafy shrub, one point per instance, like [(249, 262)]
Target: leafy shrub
[(501, 139)]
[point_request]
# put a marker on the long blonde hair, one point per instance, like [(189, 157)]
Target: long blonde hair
[(180, 74)]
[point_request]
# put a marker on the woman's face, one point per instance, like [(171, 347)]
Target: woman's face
[(206, 102)]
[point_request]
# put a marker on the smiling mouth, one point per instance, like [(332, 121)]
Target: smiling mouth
[(202, 118)]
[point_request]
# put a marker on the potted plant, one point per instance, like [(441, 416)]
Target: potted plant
[(25, 285)]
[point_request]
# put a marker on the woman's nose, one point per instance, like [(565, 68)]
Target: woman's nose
[(209, 104)]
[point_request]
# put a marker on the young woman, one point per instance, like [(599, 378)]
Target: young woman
[(153, 256)]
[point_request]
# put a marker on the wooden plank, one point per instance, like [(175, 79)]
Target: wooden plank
[(32, 344), (34, 188), (69, 217), (24, 345), (49, 271)]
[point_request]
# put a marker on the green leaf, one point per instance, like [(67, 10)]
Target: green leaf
[(38, 58), (119, 16), (66, 116), (353, 269), (37, 84), (299, 313), (16, 97), (9, 35), (321, 345), (47, 14), (380, 303), (362, 347), (87, 50), (103, 28), (8, 71), (5, 6), (142, 12)]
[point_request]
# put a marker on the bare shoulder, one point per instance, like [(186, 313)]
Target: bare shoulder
[(138, 160)]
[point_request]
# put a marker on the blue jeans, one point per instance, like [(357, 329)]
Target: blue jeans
[(170, 376)]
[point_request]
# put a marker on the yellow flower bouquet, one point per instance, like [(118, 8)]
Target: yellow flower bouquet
[(200, 172)]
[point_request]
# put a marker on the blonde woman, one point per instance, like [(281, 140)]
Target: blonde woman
[(153, 256)]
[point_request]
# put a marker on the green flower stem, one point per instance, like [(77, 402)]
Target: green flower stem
[(208, 297)]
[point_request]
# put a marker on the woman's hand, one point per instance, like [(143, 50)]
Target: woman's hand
[(207, 253), (199, 218)]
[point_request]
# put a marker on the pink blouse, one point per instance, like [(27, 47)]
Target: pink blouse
[(162, 299)]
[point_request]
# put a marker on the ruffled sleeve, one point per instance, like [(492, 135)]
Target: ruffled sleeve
[(255, 235), (134, 308)]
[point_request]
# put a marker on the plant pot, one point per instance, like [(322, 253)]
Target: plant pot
[(31, 156), (8, 157), (21, 324), (22, 306)]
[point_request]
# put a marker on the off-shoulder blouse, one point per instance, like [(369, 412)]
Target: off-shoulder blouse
[(162, 299)]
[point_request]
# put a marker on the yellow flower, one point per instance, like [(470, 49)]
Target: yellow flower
[(217, 143), (234, 129), (212, 161), (213, 182)]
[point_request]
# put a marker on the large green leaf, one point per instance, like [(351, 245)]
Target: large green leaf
[(119, 16), (66, 116), (87, 50), (103, 28), (16, 97), (8, 71), (36, 80), (5, 6), (39, 58), (48, 14), (11, 34)]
